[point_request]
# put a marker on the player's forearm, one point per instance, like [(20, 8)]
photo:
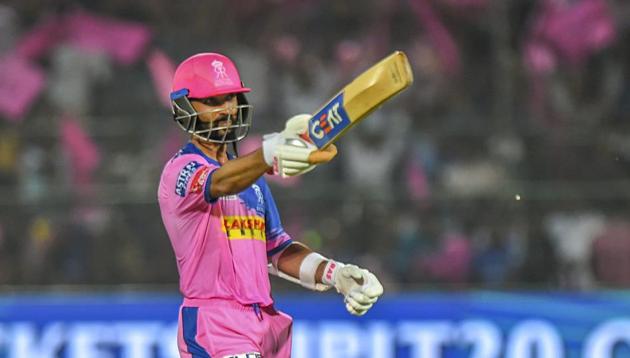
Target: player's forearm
[(238, 174), (299, 264), (291, 259)]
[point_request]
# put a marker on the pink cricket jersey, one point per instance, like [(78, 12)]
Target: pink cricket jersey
[(221, 244)]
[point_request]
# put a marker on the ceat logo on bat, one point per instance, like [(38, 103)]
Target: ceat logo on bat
[(328, 122)]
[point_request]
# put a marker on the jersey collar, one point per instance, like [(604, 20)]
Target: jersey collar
[(190, 148)]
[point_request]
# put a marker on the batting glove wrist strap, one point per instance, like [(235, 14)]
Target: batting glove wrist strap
[(328, 277), (269, 144)]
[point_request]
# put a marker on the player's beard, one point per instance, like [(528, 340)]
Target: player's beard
[(218, 135)]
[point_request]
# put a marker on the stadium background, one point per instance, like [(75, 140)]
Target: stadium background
[(490, 199)]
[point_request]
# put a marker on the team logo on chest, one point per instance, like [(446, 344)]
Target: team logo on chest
[(260, 200)]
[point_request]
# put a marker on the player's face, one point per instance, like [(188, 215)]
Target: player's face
[(216, 112), (216, 109)]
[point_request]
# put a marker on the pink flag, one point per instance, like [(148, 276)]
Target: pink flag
[(441, 39), (539, 58), (573, 31), (162, 70), (83, 153), (124, 41), (581, 29), (417, 182), (44, 36), (20, 84), (452, 262)]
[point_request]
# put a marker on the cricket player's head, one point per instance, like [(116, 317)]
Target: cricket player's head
[(208, 99)]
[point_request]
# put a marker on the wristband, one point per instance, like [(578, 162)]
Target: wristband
[(308, 268)]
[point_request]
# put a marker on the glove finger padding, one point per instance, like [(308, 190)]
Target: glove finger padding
[(293, 172), (292, 164), (295, 149), (354, 272), (361, 298), (358, 306), (349, 278), (292, 157), (356, 310), (352, 311), (297, 124), (372, 287)]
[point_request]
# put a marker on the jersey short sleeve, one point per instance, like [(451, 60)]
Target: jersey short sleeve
[(188, 179)]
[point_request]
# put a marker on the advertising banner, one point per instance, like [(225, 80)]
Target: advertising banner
[(423, 325)]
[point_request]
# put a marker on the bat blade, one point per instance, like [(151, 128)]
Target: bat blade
[(359, 98)]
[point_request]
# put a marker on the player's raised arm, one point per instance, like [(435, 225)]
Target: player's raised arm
[(280, 152), (208, 101)]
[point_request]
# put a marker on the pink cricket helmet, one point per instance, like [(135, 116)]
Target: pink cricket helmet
[(207, 75)]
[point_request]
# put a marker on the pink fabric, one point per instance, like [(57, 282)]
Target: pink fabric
[(20, 84), (162, 70), (564, 33), (124, 41), (444, 43), (452, 263), (417, 182), (578, 30), (286, 48), (571, 32), (539, 58), (227, 328), (220, 245), (80, 148), (39, 40)]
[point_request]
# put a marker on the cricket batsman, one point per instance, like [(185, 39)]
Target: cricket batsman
[(225, 228)]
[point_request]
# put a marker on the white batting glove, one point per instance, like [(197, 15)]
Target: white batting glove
[(287, 152), (359, 287)]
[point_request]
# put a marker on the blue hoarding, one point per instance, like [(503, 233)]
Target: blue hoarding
[(428, 325)]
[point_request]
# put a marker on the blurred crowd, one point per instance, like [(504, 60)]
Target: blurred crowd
[(504, 166)]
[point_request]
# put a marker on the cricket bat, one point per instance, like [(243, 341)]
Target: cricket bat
[(359, 98)]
